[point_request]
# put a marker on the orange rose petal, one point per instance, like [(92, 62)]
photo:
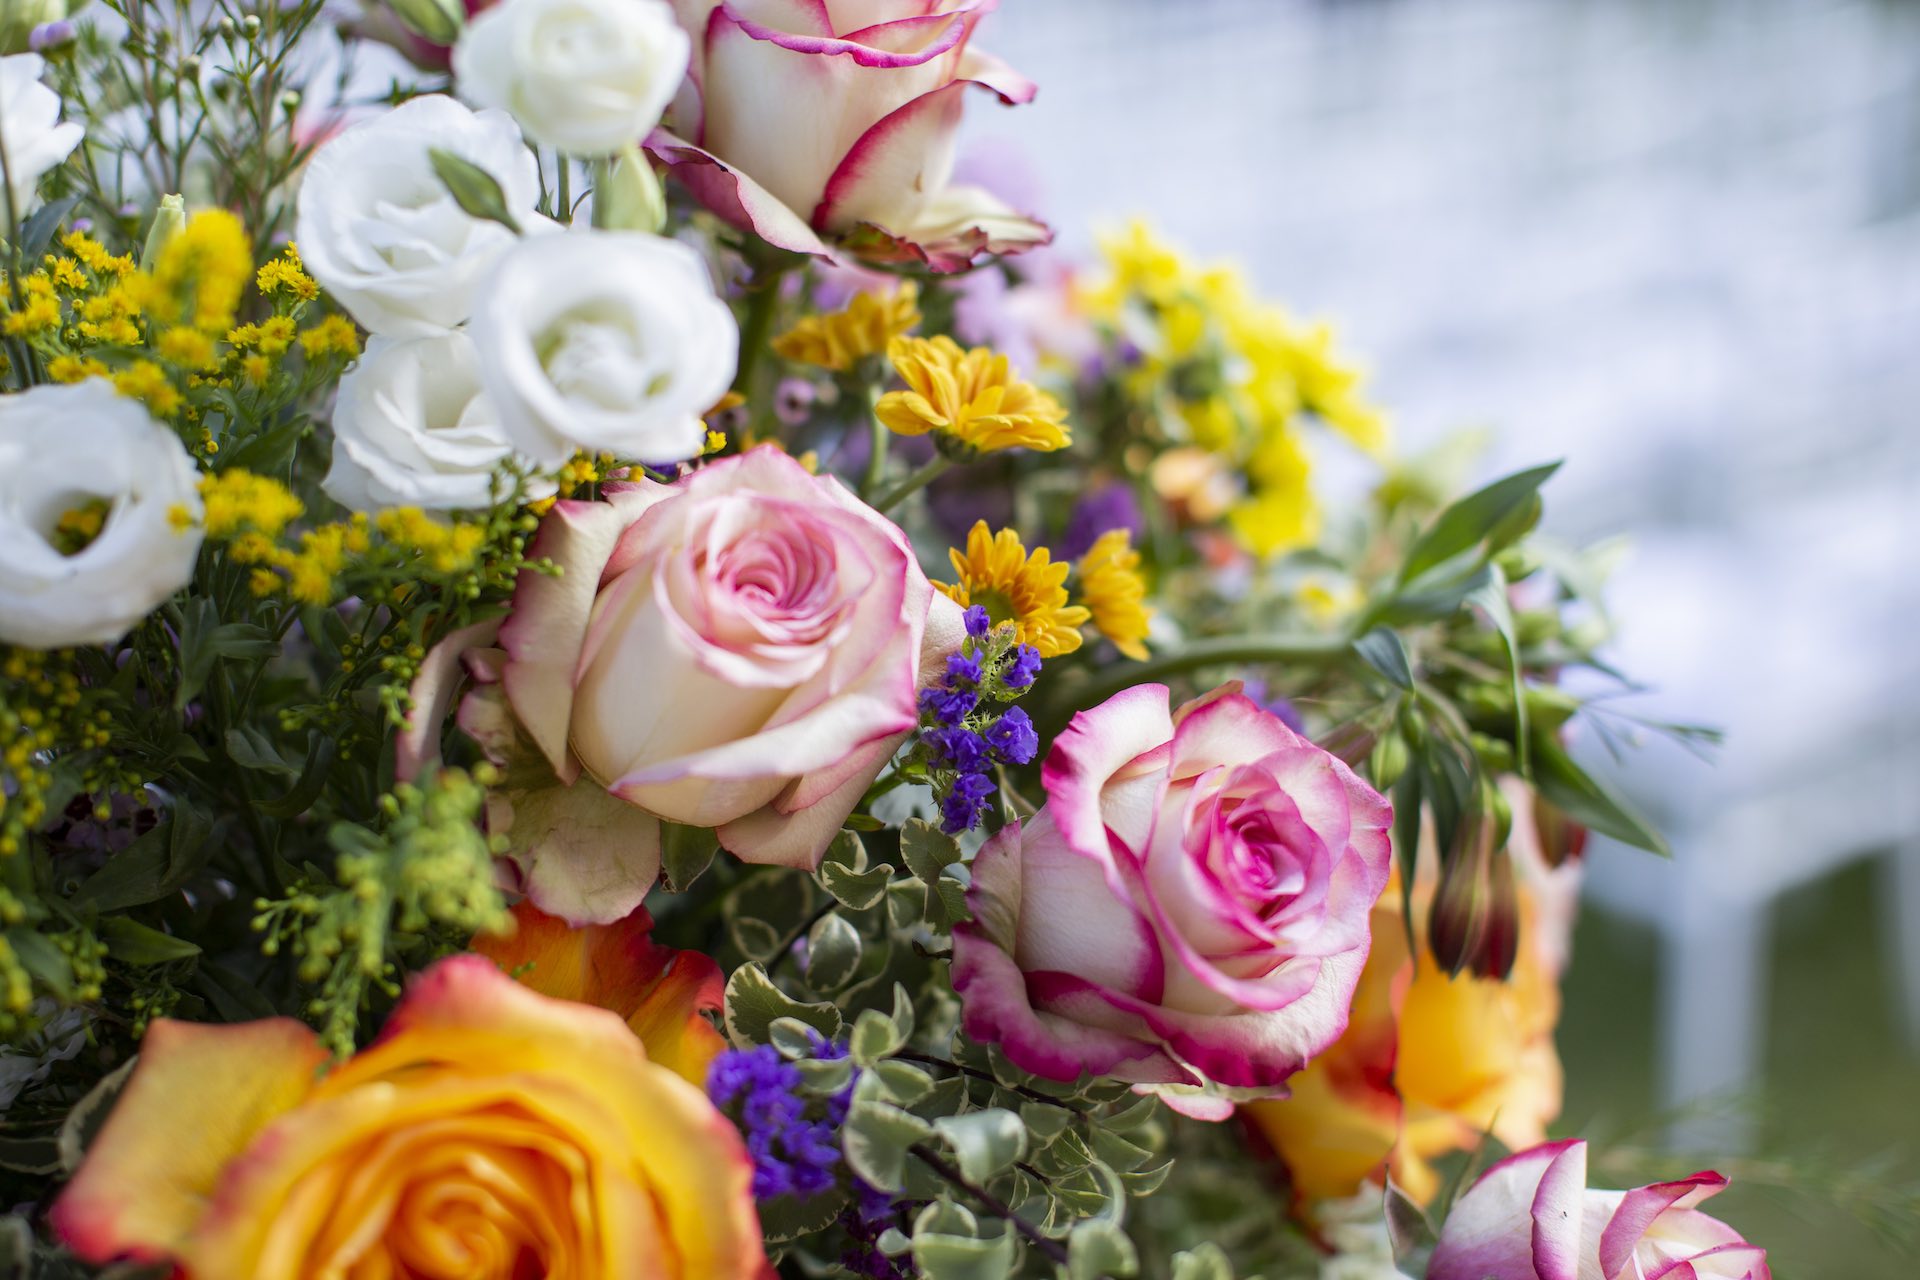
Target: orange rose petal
[(661, 992), (199, 1097)]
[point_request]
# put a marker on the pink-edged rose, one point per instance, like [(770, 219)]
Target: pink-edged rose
[(1189, 907), (809, 121), (740, 649), (1532, 1217)]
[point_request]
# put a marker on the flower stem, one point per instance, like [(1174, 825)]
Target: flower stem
[(1053, 1249), (912, 484), (879, 438), (1211, 652)]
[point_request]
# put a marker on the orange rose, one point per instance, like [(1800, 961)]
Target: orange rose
[(1429, 1063), (489, 1132), (662, 993)]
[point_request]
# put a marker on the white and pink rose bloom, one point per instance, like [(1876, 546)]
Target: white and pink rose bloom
[(740, 650), (1189, 909), (1533, 1217), (818, 122)]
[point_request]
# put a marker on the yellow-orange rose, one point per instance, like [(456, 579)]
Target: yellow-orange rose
[(489, 1132), (1429, 1063)]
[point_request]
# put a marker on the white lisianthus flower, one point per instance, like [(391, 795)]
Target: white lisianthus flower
[(605, 341), (30, 125), (412, 428), (99, 515), (381, 233), (587, 76)]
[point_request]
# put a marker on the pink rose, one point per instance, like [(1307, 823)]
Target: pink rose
[(1190, 905), (740, 650), (805, 119), (1531, 1217)]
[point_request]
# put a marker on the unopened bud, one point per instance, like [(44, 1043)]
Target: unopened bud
[(630, 198), (1474, 922), (435, 21), (169, 220), (1388, 761)]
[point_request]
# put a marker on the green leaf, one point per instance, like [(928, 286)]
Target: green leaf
[(685, 853), (1586, 801), (833, 952), (856, 890), (1097, 1249), (1207, 1262), (792, 1037), (37, 232), (927, 850), (984, 1142), (1141, 1183), (298, 798), (1473, 518), (472, 187), (154, 866), (825, 1076), (876, 1138), (1491, 599), (906, 1085), (251, 749), (83, 1122), (30, 1155), (134, 943), (946, 904), (787, 1218), (1045, 1122), (756, 939), (1408, 1227), (875, 1036), (1408, 796), (945, 1257), (1115, 1151), (753, 1002), (1384, 651), (16, 1249)]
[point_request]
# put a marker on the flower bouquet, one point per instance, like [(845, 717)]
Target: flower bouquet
[(603, 672)]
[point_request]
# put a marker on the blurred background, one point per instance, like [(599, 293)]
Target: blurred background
[(1676, 242)]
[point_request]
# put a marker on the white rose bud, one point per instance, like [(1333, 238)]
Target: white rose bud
[(604, 341), (412, 428), (30, 125), (99, 515), (380, 231), (586, 76)]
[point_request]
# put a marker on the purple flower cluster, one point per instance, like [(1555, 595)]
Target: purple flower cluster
[(965, 742), (870, 1214), (792, 1137)]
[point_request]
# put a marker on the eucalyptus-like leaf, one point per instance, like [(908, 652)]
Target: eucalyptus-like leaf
[(753, 1002), (875, 1036), (833, 952), (876, 1137), (984, 1142), (927, 850), (1096, 1249)]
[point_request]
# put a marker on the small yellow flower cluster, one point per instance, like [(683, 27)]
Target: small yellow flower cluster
[(447, 548), (202, 273), (41, 706), (970, 397), (334, 335), (839, 341), (287, 274), (240, 502), (1231, 374)]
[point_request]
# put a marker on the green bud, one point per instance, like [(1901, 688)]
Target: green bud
[(629, 196), (1388, 761), (169, 220), (472, 188), (436, 21)]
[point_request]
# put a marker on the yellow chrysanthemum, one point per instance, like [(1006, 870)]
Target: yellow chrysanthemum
[(997, 573), (841, 340), (972, 396), (1111, 584)]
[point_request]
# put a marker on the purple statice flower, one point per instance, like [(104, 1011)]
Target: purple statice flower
[(793, 1153), (978, 621), (1012, 737), (50, 35), (959, 748), (1023, 666), (1255, 688), (948, 706), (962, 669), (1101, 510), (865, 1220), (963, 804)]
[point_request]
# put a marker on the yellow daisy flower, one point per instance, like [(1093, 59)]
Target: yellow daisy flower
[(997, 573), (841, 340), (1111, 584), (971, 396)]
